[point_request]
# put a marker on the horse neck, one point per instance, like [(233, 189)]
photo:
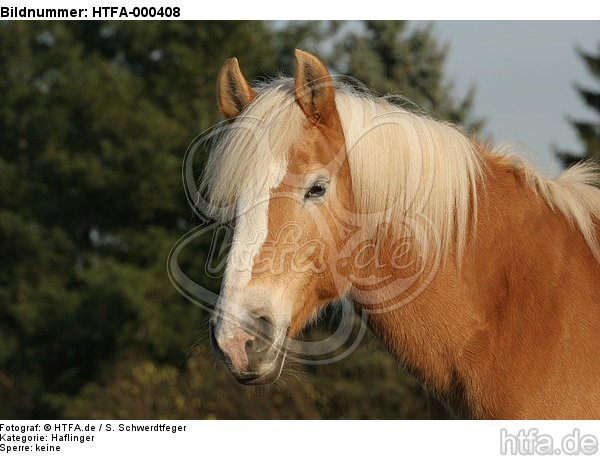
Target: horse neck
[(446, 335)]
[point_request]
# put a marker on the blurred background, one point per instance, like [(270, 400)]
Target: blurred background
[(94, 121)]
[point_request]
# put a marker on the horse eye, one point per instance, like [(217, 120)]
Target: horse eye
[(316, 191)]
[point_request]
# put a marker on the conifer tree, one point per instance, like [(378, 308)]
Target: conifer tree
[(394, 57), (588, 131)]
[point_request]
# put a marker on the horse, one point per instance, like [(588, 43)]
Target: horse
[(480, 276)]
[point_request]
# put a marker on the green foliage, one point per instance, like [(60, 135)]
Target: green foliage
[(588, 132), (140, 388), (94, 122)]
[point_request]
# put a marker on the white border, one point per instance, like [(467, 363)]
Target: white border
[(371, 9), (301, 438)]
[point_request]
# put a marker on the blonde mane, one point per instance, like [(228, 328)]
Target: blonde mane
[(404, 166), (248, 153), (407, 167)]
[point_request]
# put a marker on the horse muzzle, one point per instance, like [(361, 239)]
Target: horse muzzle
[(252, 350)]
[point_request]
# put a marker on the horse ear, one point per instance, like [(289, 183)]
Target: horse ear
[(233, 91), (314, 89)]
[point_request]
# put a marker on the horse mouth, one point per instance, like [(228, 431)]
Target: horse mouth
[(255, 379)]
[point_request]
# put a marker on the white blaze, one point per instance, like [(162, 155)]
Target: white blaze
[(251, 230)]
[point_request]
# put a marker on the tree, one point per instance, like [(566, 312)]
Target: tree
[(93, 125), (392, 57), (588, 132)]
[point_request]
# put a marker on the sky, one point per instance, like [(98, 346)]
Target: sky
[(524, 73)]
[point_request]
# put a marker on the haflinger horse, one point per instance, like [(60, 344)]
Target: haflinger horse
[(480, 276)]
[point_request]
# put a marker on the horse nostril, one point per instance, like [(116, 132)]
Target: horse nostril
[(249, 346), (264, 338)]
